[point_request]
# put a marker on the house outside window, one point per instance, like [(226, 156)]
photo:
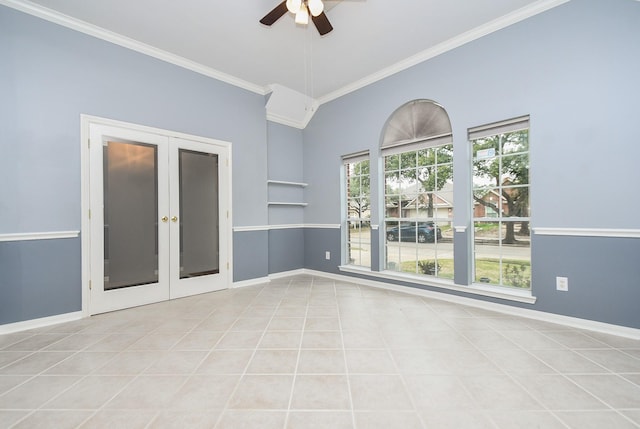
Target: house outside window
[(501, 203), (357, 188)]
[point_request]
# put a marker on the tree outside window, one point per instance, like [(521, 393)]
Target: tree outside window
[(501, 209), (358, 225)]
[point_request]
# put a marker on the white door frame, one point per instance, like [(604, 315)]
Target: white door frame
[(86, 121)]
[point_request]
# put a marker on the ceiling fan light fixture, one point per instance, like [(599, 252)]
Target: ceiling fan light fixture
[(315, 7), (294, 5), (300, 10), (302, 17)]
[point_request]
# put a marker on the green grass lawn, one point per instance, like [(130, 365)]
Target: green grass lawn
[(516, 273), (445, 271)]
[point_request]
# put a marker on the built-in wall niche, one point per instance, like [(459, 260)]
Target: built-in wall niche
[(284, 197)]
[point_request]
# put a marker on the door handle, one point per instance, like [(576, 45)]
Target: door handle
[(174, 219), (164, 219)]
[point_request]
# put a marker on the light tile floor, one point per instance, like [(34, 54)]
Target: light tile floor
[(306, 352)]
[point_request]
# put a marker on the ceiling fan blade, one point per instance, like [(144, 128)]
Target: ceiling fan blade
[(322, 23), (275, 14)]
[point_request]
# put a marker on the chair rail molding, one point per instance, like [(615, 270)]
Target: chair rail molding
[(50, 235)]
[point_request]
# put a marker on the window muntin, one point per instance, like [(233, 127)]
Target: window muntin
[(358, 212), (419, 211), (501, 208)]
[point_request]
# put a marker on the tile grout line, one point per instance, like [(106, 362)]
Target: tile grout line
[(527, 350), (295, 371), (33, 411), (187, 377), (506, 373), (556, 372), (346, 364), (134, 377), (225, 408), (41, 373), (138, 375), (403, 379)]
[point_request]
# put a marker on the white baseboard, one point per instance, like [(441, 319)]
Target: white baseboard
[(250, 282), (574, 322), (10, 328), (285, 274)]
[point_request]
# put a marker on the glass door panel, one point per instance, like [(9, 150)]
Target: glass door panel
[(130, 214), (199, 209), (129, 207), (199, 215)]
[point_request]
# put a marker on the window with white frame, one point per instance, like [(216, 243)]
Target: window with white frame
[(501, 203), (418, 200), (357, 188)]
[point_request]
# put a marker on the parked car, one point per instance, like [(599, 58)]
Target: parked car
[(423, 232)]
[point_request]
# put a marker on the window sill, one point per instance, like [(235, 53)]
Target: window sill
[(475, 289)]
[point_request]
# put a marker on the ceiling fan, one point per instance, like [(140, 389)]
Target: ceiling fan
[(302, 9)]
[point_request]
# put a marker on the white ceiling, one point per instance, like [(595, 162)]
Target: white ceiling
[(371, 38)]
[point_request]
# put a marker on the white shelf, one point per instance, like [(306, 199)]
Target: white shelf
[(278, 203), (286, 183), (283, 182)]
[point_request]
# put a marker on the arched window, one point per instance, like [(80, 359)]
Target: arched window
[(418, 123), (417, 148)]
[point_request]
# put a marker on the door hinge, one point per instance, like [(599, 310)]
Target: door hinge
[(89, 143), (227, 214), (89, 213), (227, 162), (227, 265), (90, 285)]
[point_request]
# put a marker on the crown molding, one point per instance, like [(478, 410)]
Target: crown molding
[(101, 33), (455, 42), (126, 42)]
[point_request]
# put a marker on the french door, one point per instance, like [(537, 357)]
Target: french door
[(159, 226)]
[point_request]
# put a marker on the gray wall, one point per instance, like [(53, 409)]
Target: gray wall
[(286, 250), (318, 241), (603, 272), (574, 70), (39, 279), (250, 255), (49, 76), (284, 161)]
